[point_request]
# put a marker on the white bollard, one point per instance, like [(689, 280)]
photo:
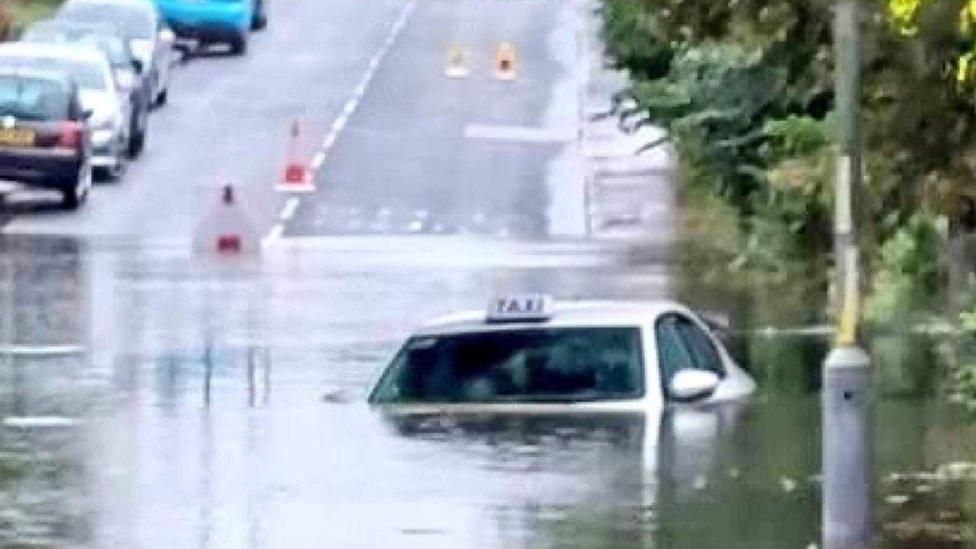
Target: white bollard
[(846, 449)]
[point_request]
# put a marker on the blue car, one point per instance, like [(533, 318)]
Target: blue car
[(214, 21)]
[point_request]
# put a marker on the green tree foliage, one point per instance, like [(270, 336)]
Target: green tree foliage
[(745, 90)]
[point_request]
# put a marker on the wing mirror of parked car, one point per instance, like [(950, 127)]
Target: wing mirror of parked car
[(167, 36), (87, 114), (687, 385)]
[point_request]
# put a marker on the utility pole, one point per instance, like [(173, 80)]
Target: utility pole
[(846, 396)]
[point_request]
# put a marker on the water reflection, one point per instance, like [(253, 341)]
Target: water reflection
[(194, 391), (44, 315), (604, 480)]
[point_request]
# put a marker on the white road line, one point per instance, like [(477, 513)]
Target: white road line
[(26, 422), (329, 141), (317, 160), (524, 134), (41, 350), (347, 111), (339, 123), (273, 236), (288, 211)]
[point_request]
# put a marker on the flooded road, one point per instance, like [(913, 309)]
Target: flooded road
[(155, 399)]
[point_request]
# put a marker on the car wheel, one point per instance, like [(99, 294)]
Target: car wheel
[(260, 19), (238, 46), (77, 191), (113, 173), (137, 139)]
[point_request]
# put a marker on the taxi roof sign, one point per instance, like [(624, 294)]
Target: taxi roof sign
[(520, 308)]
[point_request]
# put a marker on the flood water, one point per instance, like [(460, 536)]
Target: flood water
[(155, 399)]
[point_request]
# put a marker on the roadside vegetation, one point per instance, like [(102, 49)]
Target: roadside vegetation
[(15, 14), (744, 89)]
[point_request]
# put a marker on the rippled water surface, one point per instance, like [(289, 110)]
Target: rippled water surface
[(152, 399)]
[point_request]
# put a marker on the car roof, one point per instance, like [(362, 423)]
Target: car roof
[(145, 5), (72, 52), (80, 27), (103, 37), (564, 315)]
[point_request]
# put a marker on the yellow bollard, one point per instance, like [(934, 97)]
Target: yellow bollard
[(457, 65), (505, 61)]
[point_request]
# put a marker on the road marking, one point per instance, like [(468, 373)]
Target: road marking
[(273, 236), (288, 211), (348, 109), (339, 123), (317, 160), (41, 350), (328, 142), (26, 422), (523, 134)]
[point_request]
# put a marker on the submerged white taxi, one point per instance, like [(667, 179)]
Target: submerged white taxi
[(529, 353)]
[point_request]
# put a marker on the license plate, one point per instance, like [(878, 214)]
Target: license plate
[(16, 137)]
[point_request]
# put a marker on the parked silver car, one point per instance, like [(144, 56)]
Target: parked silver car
[(116, 51), (150, 40)]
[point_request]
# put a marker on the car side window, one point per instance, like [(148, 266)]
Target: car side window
[(700, 346), (681, 345), (672, 353)]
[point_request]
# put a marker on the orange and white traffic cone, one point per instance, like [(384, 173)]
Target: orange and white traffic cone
[(505, 61), (297, 177), (227, 228), (457, 66)]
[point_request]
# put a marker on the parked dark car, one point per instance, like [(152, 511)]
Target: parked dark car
[(44, 136), (125, 68)]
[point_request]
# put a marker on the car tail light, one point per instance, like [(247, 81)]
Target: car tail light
[(70, 135)]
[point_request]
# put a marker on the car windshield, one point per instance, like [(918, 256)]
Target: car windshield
[(87, 75), (32, 98), (132, 20), (533, 365)]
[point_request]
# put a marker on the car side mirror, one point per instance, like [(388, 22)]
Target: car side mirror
[(87, 114), (688, 385), (137, 66), (167, 36)]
